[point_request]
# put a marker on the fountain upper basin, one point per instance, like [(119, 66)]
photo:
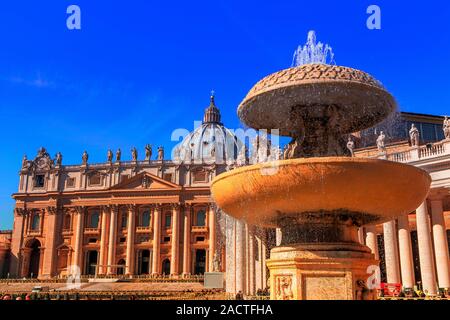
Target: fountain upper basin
[(375, 190), (354, 98)]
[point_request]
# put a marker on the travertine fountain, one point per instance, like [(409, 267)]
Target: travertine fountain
[(319, 196)]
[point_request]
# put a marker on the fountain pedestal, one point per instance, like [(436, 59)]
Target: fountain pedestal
[(335, 271)]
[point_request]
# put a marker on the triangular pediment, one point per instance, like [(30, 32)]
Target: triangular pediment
[(145, 181)]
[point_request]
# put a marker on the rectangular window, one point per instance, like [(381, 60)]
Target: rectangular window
[(200, 239), (95, 180), (168, 220), (166, 239), (70, 183), (167, 177), (124, 220), (39, 181), (92, 240)]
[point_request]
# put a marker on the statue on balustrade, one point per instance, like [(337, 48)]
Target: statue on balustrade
[(84, 158), (118, 155), (148, 152), (134, 154), (160, 153), (380, 142), (110, 155), (351, 146), (58, 159), (414, 135), (446, 128), (24, 162)]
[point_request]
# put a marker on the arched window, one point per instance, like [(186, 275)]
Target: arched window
[(93, 223), (201, 218), (145, 219), (35, 222)]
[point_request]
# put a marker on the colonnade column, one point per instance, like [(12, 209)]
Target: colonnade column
[(425, 249), (103, 238), (174, 262), (156, 239), (79, 214), (391, 252), (212, 237), (240, 256), (187, 241), (405, 248), (440, 243), (112, 239), (130, 239), (372, 241)]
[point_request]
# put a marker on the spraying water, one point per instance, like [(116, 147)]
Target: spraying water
[(313, 52)]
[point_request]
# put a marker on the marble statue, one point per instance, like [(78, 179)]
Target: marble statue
[(351, 146), (446, 128), (414, 135), (109, 155), (24, 161), (58, 159), (160, 153), (148, 152), (134, 154), (118, 154), (84, 158), (380, 142)]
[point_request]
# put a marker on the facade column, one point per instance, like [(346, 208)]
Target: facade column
[(112, 239), (391, 252), (212, 237), (187, 241), (79, 213), (16, 242), (174, 261), (372, 240), (251, 262), (156, 239), (130, 240), (440, 243), (425, 250), (50, 239), (240, 256), (405, 249), (103, 238)]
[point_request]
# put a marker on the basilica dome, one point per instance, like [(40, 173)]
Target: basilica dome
[(209, 143)]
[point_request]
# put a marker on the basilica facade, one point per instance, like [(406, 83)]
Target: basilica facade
[(149, 217)]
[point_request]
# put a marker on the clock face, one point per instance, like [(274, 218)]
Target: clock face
[(42, 163)]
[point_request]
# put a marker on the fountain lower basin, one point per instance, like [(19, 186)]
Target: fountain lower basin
[(369, 190), (319, 203)]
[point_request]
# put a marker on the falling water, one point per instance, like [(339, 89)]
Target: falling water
[(313, 52)]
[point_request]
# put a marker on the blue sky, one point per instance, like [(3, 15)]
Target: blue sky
[(139, 69)]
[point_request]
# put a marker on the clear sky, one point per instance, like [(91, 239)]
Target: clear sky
[(139, 69)]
